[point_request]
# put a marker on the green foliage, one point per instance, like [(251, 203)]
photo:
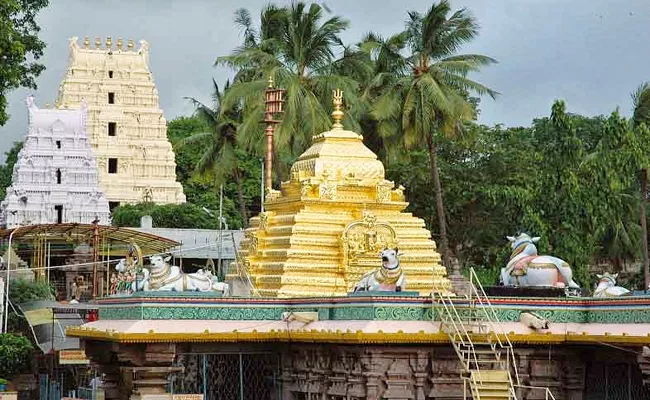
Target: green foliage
[(21, 291), (567, 178), (20, 48), (295, 45), (15, 353), (7, 169), (187, 215), (201, 188)]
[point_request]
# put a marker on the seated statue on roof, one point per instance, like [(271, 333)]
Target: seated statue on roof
[(159, 275), (607, 286), (527, 269), (387, 278)]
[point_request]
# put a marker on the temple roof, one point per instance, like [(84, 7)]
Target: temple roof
[(84, 232), (338, 152), (351, 331)]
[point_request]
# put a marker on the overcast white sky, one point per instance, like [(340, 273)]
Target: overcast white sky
[(591, 53)]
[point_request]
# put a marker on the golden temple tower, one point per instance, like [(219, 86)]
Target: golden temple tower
[(327, 224)]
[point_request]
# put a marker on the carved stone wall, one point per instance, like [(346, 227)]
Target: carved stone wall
[(55, 176), (126, 126), (353, 372)]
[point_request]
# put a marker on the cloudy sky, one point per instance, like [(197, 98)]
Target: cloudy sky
[(592, 53)]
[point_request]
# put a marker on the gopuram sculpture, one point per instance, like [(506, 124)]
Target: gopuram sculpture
[(607, 286), (126, 125), (387, 278), (322, 230), (527, 269), (55, 177)]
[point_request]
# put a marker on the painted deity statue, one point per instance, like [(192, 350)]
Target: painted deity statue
[(387, 278), (527, 269), (607, 286), (161, 276)]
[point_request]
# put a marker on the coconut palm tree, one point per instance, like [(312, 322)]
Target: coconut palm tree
[(432, 99), (640, 122), (296, 47), (220, 157)]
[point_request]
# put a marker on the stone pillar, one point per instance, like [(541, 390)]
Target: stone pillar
[(643, 360), (398, 381), (574, 377), (419, 364), (373, 373)]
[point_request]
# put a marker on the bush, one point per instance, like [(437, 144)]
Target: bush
[(15, 353), (21, 291), (185, 215)]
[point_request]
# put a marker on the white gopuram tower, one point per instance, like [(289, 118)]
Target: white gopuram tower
[(126, 126), (55, 177)]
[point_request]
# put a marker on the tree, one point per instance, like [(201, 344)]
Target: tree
[(296, 48), (187, 215), (219, 157), (432, 101), (20, 48), (640, 123), (7, 170), (15, 353), (201, 189)]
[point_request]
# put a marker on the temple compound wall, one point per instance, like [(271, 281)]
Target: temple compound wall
[(302, 371), (125, 123), (55, 177)]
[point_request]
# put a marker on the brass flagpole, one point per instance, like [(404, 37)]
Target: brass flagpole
[(273, 101)]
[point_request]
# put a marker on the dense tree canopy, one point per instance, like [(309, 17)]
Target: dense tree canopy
[(20, 47)]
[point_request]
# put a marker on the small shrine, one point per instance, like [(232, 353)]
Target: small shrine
[(55, 177), (324, 229), (126, 126)]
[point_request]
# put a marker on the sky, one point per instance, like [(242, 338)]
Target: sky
[(591, 53)]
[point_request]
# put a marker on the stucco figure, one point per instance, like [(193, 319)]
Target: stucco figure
[(526, 268), (607, 286), (387, 278)]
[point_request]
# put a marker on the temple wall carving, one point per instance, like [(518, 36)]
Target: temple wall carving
[(125, 124), (298, 371)]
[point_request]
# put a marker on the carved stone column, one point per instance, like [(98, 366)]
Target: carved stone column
[(545, 373), (373, 372), (644, 364), (445, 375), (419, 364), (398, 382), (286, 376), (574, 376)]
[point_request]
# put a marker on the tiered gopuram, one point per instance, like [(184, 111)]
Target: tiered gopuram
[(126, 126), (328, 223), (55, 177)]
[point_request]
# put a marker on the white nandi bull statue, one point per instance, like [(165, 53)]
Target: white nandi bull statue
[(527, 269), (165, 277), (388, 278), (607, 286)]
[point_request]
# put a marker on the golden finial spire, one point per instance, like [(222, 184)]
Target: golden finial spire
[(86, 42), (98, 42), (109, 42), (130, 44), (337, 115), (270, 82), (120, 42)]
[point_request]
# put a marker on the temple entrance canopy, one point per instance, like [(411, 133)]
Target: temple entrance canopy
[(83, 252)]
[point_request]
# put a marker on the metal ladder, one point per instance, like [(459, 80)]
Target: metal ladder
[(489, 366)]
